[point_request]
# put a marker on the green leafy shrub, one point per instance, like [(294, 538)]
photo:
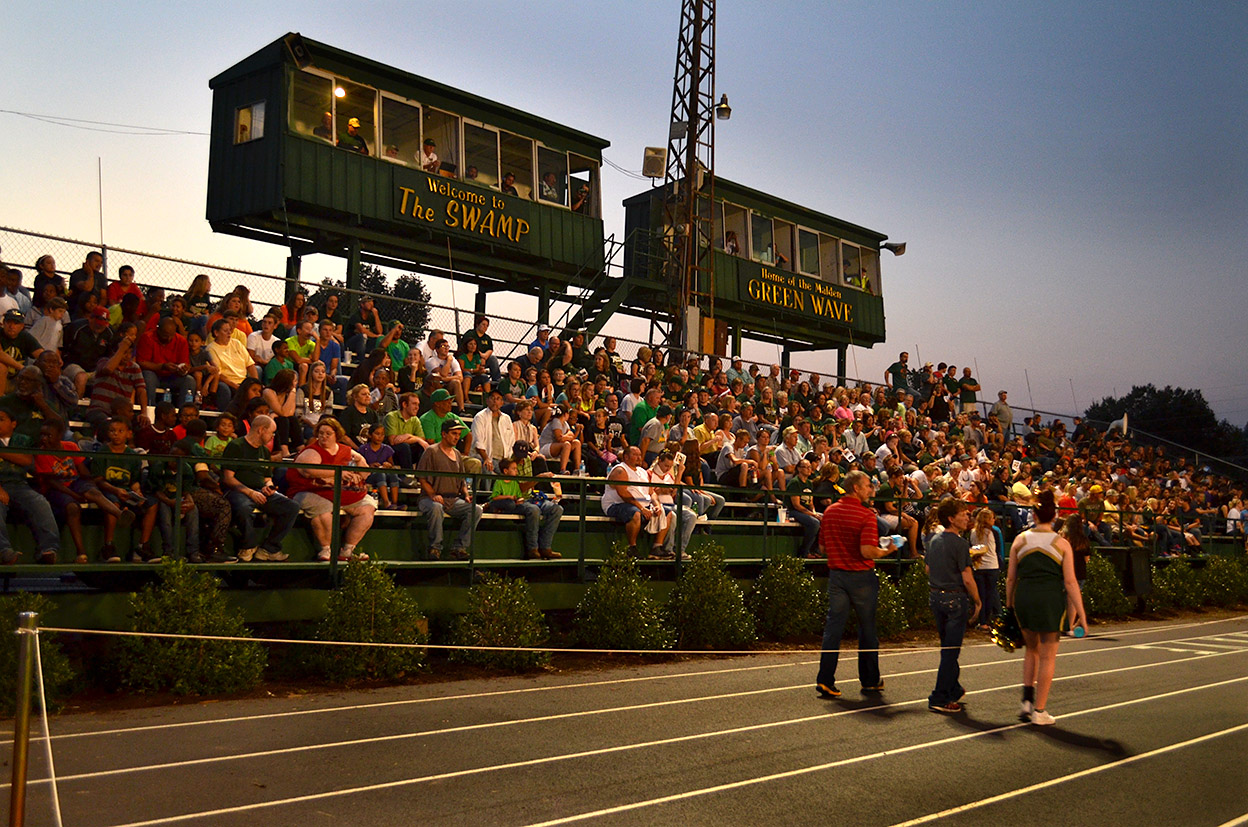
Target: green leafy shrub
[(785, 601), (890, 611), (618, 612), (707, 608), (187, 602), (370, 608), (1175, 586), (916, 597), (58, 675), (1223, 582), (501, 612), (1102, 590)]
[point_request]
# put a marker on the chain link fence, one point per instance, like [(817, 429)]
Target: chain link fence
[(22, 248)]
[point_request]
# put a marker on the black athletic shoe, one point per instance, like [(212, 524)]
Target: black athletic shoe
[(951, 708), (873, 690), (826, 691)]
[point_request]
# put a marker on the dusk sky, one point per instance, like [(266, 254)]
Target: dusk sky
[(1071, 178)]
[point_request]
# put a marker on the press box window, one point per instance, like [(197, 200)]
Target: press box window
[(355, 108), (760, 239), (552, 167), (442, 128), (734, 230), (808, 252), (584, 189), (517, 158), (311, 106), (400, 131), (851, 265), (249, 123), (480, 155)]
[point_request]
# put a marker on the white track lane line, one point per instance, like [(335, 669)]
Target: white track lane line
[(1053, 782), (612, 682), (859, 759), (1235, 822), (514, 722), (1013, 685)]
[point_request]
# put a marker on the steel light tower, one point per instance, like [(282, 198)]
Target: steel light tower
[(688, 185)]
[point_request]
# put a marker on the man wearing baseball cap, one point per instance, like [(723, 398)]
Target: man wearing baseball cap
[(352, 140), (90, 343), (444, 494), (16, 346)]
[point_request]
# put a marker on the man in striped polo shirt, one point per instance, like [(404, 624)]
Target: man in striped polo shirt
[(850, 537)]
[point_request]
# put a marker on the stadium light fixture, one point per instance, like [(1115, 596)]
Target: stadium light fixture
[(339, 92), (722, 110), (895, 249)]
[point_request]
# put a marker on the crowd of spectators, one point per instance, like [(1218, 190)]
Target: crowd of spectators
[(445, 427)]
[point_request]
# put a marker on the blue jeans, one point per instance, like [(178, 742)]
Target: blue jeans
[(38, 513), (181, 388), (280, 509), (860, 589), (188, 522), (810, 532), (986, 582), (951, 609), (435, 512), (688, 522), (541, 521)]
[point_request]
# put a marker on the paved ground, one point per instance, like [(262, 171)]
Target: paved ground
[(1152, 729)]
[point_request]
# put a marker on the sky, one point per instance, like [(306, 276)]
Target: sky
[(1071, 179)]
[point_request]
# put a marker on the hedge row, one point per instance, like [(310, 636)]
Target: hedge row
[(707, 609)]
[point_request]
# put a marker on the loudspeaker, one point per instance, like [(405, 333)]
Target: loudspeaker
[(298, 51), (654, 162)]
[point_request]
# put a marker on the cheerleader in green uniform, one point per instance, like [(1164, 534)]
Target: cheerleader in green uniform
[(1040, 578)]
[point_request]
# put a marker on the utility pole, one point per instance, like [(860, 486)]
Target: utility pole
[(688, 185)]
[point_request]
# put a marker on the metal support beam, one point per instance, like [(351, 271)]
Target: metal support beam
[(479, 305), (840, 365), (294, 266), (543, 305), (353, 264)]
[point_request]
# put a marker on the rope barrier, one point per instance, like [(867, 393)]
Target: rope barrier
[(550, 649), (47, 734)]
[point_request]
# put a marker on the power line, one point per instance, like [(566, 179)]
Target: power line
[(629, 172), (98, 126)]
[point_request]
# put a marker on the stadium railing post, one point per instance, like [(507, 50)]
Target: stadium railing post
[(27, 628)]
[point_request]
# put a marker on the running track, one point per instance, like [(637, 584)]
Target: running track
[(1152, 729)]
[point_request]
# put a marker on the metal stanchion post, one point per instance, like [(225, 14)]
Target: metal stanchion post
[(26, 630), (582, 512), (335, 530)]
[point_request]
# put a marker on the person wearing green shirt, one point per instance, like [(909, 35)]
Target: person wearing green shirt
[(968, 386), (541, 513), (801, 496), (116, 469), (431, 423), (250, 490), (16, 494), (643, 413), (405, 432), (303, 348), (280, 361), (485, 346)]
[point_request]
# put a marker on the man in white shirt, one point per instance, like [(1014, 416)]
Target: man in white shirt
[(492, 432), (260, 342)]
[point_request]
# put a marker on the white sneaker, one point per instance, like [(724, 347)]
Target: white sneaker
[(245, 554), (1041, 718), (1024, 711)]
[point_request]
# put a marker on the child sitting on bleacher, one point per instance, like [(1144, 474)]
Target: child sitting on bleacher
[(227, 427), (380, 455)]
